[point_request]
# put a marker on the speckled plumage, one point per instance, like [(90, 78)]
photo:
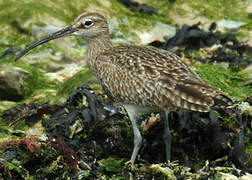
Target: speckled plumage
[(139, 78), (146, 76)]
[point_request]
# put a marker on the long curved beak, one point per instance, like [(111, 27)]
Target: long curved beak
[(61, 33)]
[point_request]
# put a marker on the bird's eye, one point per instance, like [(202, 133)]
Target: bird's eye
[(88, 23)]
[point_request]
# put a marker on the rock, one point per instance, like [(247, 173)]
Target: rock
[(63, 74), (224, 24), (13, 83), (157, 33)]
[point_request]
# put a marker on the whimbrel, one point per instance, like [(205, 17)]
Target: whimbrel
[(141, 79)]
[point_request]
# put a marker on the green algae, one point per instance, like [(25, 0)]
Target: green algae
[(37, 82), (112, 164), (220, 9), (83, 76), (210, 9), (228, 81), (159, 171), (67, 12), (9, 134)]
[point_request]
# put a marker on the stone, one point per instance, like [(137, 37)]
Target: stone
[(13, 83), (65, 73), (158, 32), (224, 24)]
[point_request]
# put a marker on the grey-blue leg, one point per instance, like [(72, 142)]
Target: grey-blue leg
[(167, 136), (132, 112)]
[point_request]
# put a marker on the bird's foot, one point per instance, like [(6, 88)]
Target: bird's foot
[(130, 166)]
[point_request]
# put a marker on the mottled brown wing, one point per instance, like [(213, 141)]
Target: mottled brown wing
[(149, 77)]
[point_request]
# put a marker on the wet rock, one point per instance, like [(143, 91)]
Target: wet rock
[(224, 25), (14, 85), (159, 32), (64, 72)]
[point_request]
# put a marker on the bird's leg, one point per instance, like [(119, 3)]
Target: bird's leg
[(132, 112), (167, 136)]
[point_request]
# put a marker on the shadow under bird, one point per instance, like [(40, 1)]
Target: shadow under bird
[(141, 79)]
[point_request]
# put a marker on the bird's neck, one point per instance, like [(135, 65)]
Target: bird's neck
[(95, 47)]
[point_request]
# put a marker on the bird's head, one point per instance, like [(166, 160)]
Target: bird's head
[(88, 25)]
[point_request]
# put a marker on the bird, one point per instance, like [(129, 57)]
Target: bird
[(141, 79)]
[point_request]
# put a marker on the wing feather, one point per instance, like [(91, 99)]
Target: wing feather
[(150, 77)]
